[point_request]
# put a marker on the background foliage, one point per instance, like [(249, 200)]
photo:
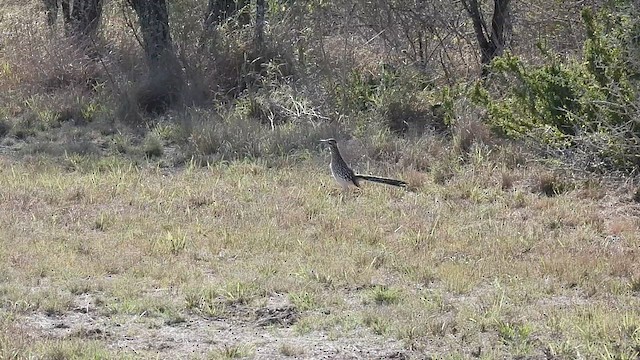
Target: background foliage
[(567, 83)]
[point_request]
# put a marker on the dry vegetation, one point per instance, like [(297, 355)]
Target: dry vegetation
[(244, 259), (215, 230)]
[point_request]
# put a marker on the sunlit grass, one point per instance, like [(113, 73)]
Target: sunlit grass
[(443, 262)]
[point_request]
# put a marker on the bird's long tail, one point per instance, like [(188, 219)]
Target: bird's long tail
[(382, 180)]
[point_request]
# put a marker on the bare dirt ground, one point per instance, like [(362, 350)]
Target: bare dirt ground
[(264, 333)]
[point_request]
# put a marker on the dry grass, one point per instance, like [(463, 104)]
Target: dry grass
[(247, 248), (123, 255)]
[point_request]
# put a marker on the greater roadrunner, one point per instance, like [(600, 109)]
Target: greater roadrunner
[(345, 176)]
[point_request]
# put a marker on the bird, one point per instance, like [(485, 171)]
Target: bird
[(343, 174)]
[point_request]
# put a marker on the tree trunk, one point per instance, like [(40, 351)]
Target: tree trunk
[(244, 18), (84, 18), (491, 40), (218, 11), (51, 10), (165, 82), (154, 24), (261, 10), (81, 18)]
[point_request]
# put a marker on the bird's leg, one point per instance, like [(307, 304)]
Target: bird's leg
[(344, 190)]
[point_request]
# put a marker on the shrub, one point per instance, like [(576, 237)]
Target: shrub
[(402, 97), (583, 110), (153, 146)]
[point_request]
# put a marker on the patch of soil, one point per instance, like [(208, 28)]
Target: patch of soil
[(266, 334), (285, 316)]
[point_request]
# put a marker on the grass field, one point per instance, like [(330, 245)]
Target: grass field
[(107, 259), (116, 243)]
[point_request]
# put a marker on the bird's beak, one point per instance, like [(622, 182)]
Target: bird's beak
[(323, 140)]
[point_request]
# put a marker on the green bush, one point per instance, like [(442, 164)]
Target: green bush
[(586, 106), (361, 90), (402, 98)]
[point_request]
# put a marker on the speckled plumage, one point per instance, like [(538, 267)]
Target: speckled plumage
[(343, 174)]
